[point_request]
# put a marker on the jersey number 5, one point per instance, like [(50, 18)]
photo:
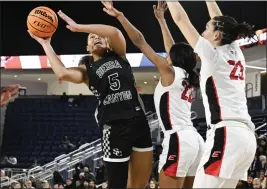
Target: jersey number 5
[(235, 73), (114, 82), (187, 94)]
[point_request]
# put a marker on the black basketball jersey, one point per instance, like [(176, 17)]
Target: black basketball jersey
[(111, 80)]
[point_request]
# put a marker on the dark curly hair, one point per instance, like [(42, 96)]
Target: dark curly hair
[(231, 30), (183, 56)]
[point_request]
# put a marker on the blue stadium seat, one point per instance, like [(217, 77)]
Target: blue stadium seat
[(41, 123), (34, 127)]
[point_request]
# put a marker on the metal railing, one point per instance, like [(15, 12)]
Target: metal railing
[(4, 181), (65, 162), (261, 126), (249, 88), (76, 155), (88, 153)]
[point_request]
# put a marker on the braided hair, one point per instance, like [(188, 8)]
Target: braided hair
[(231, 30)]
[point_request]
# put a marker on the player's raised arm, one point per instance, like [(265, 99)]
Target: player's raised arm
[(116, 39), (213, 9), (159, 11), (138, 39), (74, 75), (182, 21)]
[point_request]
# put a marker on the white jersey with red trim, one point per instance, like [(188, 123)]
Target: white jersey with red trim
[(173, 103), (222, 83)]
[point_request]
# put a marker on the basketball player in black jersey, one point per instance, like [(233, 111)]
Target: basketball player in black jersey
[(127, 141)]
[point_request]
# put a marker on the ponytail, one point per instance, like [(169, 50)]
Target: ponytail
[(244, 30), (182, 55), (192, 79), (231, 30)]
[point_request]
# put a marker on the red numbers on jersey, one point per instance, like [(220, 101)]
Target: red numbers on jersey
[(238, 71), (187, 94)]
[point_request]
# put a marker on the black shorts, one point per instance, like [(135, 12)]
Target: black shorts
[(121, 137)]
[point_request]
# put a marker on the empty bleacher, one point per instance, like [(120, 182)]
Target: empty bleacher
[(35, 126)]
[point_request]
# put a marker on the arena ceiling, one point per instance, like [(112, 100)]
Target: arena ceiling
[(15, 39)]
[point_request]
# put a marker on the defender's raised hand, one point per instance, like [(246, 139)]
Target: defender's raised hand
[(109, 9), (72, 25), (160, 9)]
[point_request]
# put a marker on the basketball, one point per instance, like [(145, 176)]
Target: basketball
[(42, 22)]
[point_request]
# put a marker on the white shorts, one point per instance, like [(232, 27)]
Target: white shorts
[(229, 152), (181, 154), (208, 181)]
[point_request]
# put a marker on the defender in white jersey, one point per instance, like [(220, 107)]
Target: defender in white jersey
[(182, 146), (181, 160), (231, 144)]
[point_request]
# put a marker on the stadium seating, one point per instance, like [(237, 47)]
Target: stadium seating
[(35, 126)]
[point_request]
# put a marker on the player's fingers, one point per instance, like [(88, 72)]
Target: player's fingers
[(165, 5), (108, 5), (33, 36), (104, 3), (15, 93), (60, 13), (14, 88), (5, 97), (106, 10), (30, 33), (63, 15), (11, 88), (69, 27), (159, 3)]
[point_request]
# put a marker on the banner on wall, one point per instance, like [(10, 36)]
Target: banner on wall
[(135, 59), (259, 39), (253, 84)]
